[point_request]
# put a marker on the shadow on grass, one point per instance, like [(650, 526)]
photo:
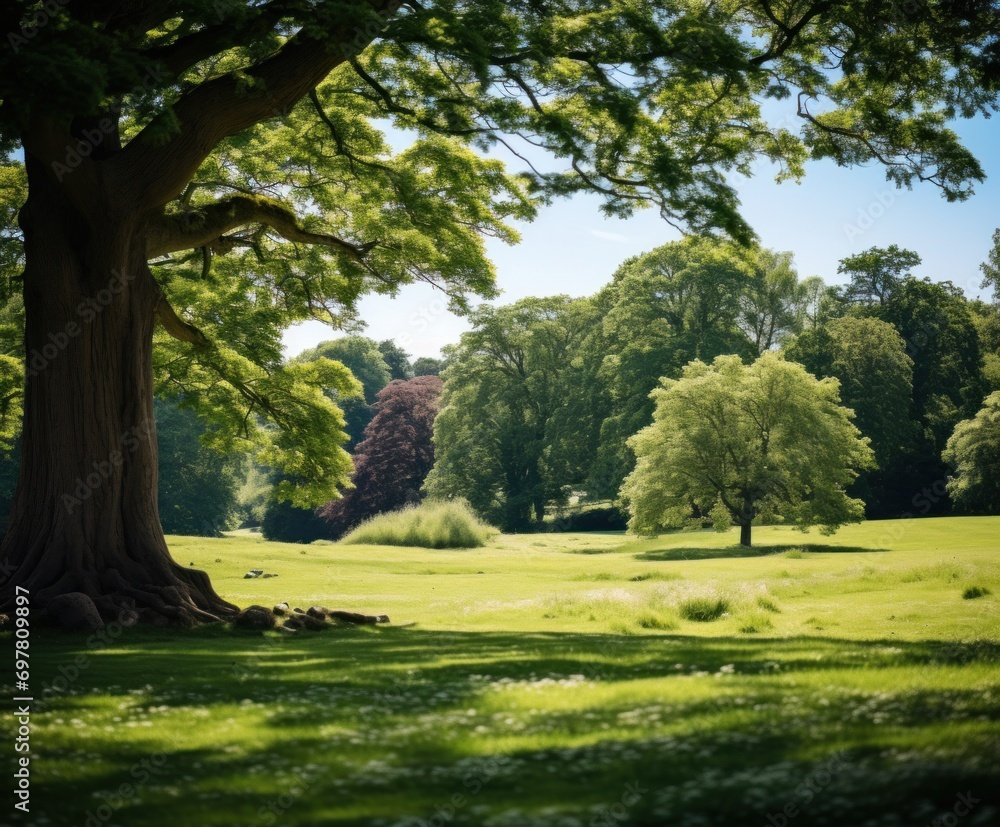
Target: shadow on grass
[(754, 551), (389, 724)]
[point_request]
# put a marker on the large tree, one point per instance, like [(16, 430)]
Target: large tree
[(679, 302), (509, 438), (218, 169), (737, 442), (974, 453), (869, 359)]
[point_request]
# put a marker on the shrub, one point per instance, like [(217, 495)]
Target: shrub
[(753, 622), (768, 604), (703, 609), (653, 620), (606, 518), (433, 524), (795, 554), (972, 592)]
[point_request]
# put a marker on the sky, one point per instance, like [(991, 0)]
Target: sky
[(833, 213)]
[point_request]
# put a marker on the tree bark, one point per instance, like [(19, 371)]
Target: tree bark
[(745, 528), (84, 516)]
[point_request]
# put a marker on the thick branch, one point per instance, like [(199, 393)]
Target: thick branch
[(227, 105), (186, 51), (175, 325), (186, 231)]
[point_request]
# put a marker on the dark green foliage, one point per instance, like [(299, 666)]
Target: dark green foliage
[(286, 523), (198, 486), (397, 360), (428, 366), (603, 518), (510, 438)]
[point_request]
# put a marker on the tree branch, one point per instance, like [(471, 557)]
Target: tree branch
[(229, 104), (175, 325), (186, 231)]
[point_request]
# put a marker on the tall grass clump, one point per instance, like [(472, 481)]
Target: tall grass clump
[(703, 608), (433, 524)]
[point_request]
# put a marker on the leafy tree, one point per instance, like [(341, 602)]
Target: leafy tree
[(775, 302), (397, 359), (428, 366), (506, 438), (393, 461), (287, 523), (936, 321), (197, 486), (363, 357), (739, 442), (663, 309), (868, 357), (991, 267), (987, 320), (974, 452), (876, 273), (221, 169)]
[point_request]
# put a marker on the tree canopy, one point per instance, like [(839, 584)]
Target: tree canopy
[(974, 452), (508, 438), (735, 442), (397, 453)]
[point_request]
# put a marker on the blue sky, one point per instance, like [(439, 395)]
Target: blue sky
[(570, 248)]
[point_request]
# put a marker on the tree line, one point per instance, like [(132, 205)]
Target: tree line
[(542, 399)]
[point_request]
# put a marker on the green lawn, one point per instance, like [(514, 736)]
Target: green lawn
[(551, 680)]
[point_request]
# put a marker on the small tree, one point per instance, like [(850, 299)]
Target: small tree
[(738, 441), (395, 456), (974, 451)]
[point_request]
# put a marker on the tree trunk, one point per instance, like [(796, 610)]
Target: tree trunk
[(84, 516), (745, 533)]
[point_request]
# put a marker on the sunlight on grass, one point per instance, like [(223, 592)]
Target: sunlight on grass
[(538, 682)]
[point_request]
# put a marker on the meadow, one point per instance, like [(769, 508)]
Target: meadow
[(563, 680)]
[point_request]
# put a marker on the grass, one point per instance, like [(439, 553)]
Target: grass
[(439, 524), (972, 592), (517, 687)]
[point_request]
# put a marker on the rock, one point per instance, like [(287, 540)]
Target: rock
[(5, 622), (316, 611), (298, 611), (128, 618), (294, 623), (265, 576), (313, 623), (75, 611), (354, 617), (280, 609), (255, 617), (382, 619), (250, 575)]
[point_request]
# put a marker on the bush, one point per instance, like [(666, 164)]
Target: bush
[(433, 524), (703, 609), (606, 518), (754, 622)]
